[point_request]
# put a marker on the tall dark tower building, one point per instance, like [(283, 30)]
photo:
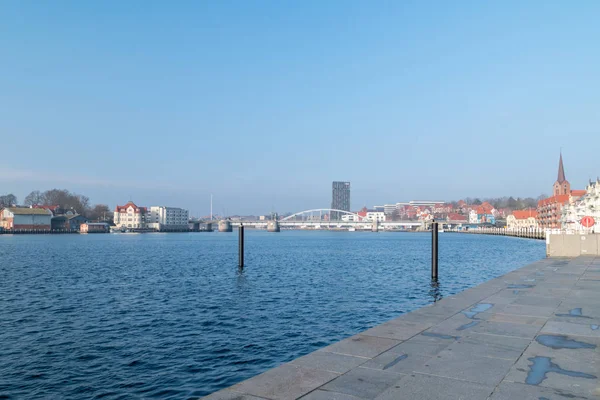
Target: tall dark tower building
[(562, 185), (340, 198)]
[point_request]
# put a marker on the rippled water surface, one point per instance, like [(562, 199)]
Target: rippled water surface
[(170, 315)]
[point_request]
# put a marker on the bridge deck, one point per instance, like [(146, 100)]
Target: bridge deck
[(530, 334)]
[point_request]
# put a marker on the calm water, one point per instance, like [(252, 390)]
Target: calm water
[(170, 316)]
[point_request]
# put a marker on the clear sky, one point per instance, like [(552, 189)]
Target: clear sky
[(265, 103)]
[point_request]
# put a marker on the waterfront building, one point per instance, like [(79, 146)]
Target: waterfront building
[(74, 221), (54, 209), (473, 217), (389, 209), (351, 218), (427, 203), (550, 209), (587, 205), (340, 198), (522, 219), (373, 215), (163, 218), (423, 213), (58, 223), (94, 227), (67, 222), (16, 218), (455, 218), (130, 216), (418, 209), (486, 213), (408, 213), (442, 209)]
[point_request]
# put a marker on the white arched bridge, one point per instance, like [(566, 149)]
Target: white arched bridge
[(323, 211), (319, 218)]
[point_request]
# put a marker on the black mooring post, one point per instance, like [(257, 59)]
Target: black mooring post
[(241, 243), (434, 251)]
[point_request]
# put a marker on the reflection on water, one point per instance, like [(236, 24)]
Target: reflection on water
[(434, 290)]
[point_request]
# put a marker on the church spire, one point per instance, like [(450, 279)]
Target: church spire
[(561, 171)]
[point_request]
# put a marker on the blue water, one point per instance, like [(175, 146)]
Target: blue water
[(170, 315)]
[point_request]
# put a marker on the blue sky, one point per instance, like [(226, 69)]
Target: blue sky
[(264, 103)]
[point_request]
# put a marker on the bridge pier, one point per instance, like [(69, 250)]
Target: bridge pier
[(225, 226), (273, 226), (375, 227)]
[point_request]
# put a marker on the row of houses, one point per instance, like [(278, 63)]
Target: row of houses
[(128, 216), (566, 209), (573, 212), (158, 218), (570, 209), (461, 212), (39, 218)]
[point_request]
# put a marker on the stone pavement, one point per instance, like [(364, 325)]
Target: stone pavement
[(530, 334)]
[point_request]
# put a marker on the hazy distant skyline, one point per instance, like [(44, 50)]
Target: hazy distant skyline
[(265, 103)]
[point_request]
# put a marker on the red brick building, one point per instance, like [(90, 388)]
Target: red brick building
[(549, 210)]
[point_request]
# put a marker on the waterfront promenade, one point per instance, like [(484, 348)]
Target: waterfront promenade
[(530, 334)]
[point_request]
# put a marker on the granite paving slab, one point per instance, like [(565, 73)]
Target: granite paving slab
[(581, 328), (397, 361), (424, 346), (365, 383), (328, 395), (483, 345), (285, 382), (426, 387), (397, 329), (513, 391), (327, 361), (231, 395), (467, 367), (362, 346)]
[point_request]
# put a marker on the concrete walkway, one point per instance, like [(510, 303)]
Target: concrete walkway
[(530, 334)]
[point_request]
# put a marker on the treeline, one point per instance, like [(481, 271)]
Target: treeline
[(8, 200), (65, 200), (509, 202)]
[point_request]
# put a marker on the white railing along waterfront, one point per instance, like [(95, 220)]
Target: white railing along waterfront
[(528, 233)]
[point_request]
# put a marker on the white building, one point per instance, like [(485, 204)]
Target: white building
[(130, 216), (473, 217), (428, 203), (168, 218), (389, 209), (587, 205), (522, 219), (351, 218), (378, 216)]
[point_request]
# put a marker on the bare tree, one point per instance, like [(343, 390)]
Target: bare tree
[(100, 212), (67, 201), (84, 204), (34, 198), (8, 200)]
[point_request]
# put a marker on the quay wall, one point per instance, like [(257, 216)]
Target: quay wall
[(572, 245)]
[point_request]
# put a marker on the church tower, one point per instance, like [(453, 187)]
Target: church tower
[(562, 185)]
